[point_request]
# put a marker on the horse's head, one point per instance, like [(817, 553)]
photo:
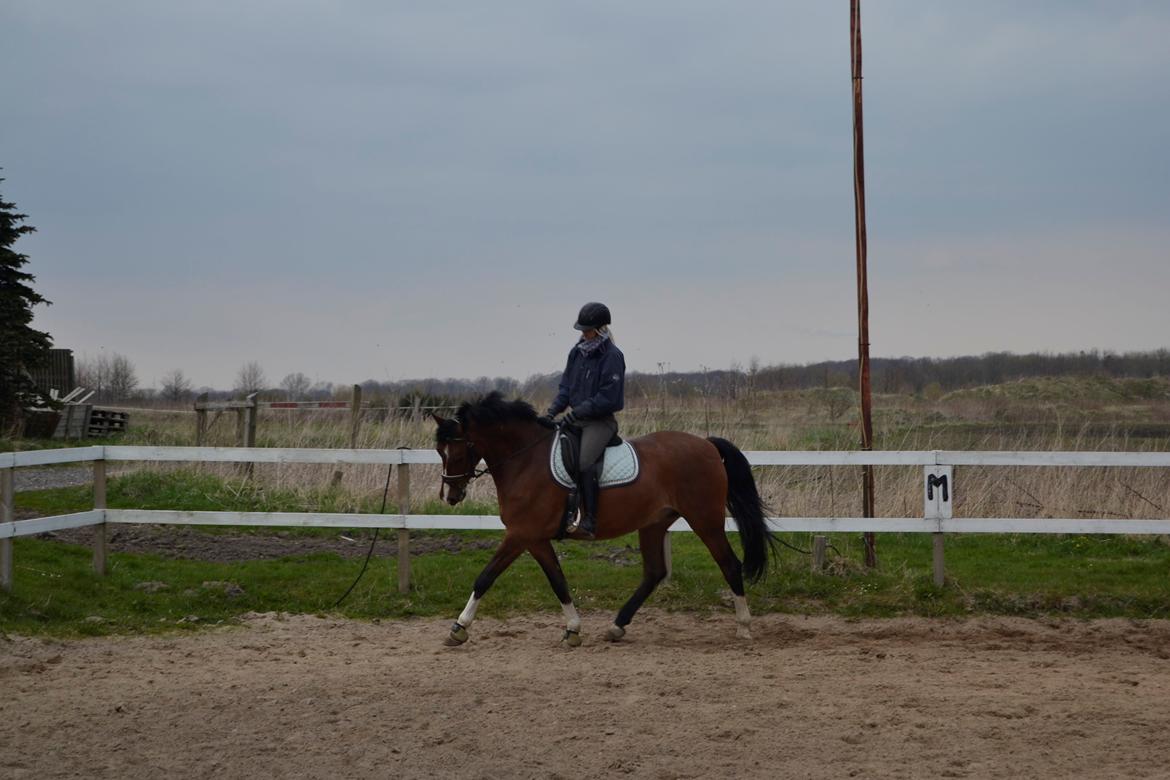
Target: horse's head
[(459, 458)]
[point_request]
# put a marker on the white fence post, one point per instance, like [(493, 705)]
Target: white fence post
[(99, 531), (937, 494), (404, 533), (7, 515)]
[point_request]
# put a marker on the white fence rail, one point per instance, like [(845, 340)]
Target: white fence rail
[(755, 457), (938, 487)]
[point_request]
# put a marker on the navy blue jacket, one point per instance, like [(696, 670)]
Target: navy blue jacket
[(594, 385)]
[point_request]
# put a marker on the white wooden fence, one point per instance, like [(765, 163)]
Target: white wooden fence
[(938, 490)]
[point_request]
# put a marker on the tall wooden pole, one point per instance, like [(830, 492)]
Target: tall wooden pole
[(862, 274), (355, 427)]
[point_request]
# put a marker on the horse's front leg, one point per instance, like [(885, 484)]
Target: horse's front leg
[(509, 550), (653, 572), (546, 556)]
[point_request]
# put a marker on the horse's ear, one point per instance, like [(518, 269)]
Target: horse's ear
[(438, 420)]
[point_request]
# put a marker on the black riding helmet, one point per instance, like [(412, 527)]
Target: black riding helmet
[(592, 316)]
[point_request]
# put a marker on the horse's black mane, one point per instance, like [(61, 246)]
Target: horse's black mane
[(490, 409)]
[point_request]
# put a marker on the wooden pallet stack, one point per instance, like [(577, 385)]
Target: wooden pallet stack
[(103, 422)]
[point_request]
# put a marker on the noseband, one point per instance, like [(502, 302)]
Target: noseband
[(473, 474)]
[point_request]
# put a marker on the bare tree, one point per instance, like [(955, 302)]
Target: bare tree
[(175, 386), (753, 374), (734, 380), (296, 385), (122, 379), (112, 376), (93, 373), (250, 379)]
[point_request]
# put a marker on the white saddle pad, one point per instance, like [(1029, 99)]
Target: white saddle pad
[(620, 468)]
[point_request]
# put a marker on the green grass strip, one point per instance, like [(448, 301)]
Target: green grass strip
[(56, 593)]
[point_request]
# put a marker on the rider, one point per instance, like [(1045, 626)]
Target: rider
[(593, 386)]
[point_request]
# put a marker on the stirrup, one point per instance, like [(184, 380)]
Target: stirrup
[(574, 528)]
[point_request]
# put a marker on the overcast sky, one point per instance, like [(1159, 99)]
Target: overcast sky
[(383, 190)]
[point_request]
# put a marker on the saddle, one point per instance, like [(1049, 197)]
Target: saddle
[(619, 461)]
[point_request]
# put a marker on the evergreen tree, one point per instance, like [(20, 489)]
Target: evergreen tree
[(21, 347)]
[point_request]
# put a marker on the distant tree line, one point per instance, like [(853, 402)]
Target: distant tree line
[(904, 375), (913, 375), (114, 378)]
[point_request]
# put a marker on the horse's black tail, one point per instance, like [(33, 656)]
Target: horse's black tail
[(748, 510)]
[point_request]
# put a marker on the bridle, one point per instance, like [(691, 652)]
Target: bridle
[(472, 457), (473, 474)]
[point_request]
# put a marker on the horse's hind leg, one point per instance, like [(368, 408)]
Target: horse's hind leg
[(546, 556), (509, 550), (715, 538), (650, 540)]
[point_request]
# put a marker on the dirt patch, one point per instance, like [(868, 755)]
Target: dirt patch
[(190, 544), (43, 478), (680, 697)]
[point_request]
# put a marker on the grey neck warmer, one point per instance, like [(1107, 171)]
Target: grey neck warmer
[(592, 345)]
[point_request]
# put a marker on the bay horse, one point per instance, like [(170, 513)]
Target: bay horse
[(680, 475)]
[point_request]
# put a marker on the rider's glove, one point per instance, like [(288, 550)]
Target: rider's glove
[(572, 419)]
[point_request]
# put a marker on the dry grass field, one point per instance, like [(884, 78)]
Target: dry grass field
[(1035, 414)]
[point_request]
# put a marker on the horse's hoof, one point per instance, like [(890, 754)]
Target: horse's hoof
[(457, 636), (615, 633), (572, 638), (743, 632)]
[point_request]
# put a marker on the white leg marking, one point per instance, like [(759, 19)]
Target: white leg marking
[(572, 619), (743, 617), (468, 614)]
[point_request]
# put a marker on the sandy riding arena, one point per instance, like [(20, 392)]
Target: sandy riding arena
[(680, 697)]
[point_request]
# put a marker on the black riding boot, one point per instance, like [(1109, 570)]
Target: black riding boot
[(590, 489)]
